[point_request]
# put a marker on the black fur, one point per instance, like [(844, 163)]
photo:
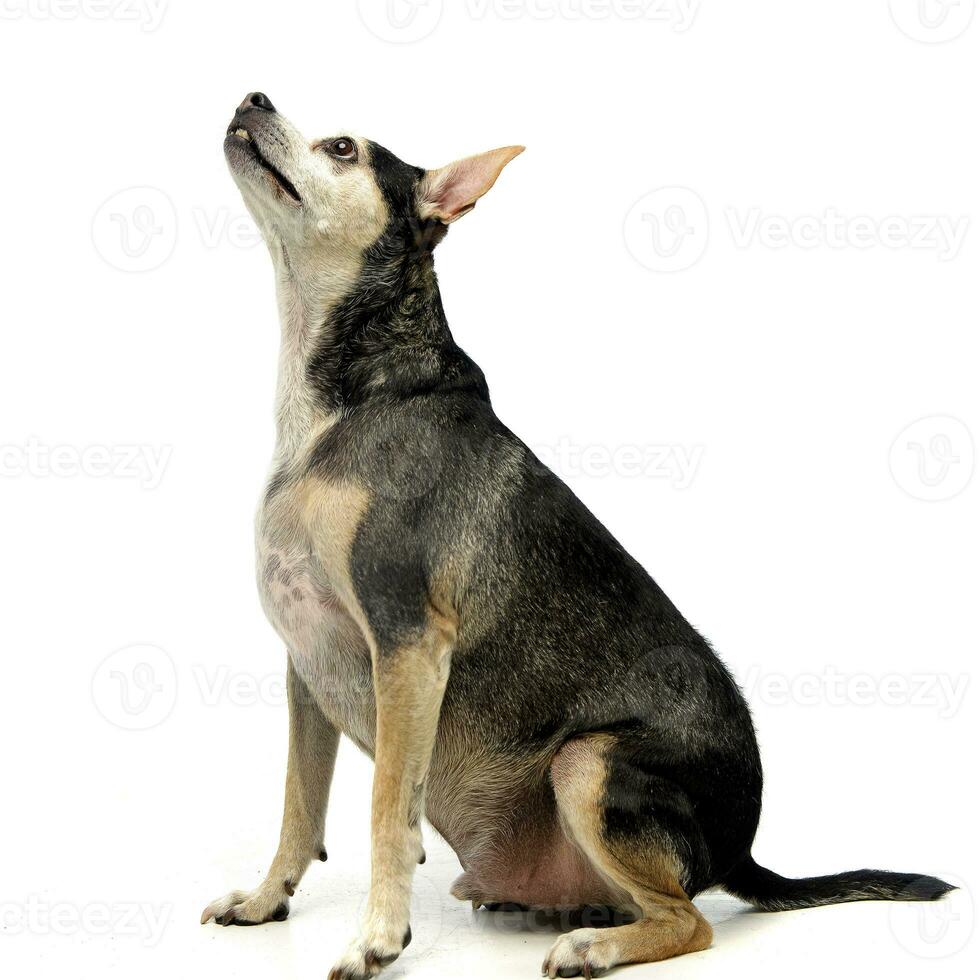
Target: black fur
[(774, 893), (561, 632)]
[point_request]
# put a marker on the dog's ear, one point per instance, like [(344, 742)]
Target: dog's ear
[(449, 192)]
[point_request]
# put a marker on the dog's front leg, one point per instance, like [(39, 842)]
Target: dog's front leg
[(309, 770), (409, 683)]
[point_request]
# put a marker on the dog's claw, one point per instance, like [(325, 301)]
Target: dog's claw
[(576, 954), (372, 964), (366, 957), (246, 909)]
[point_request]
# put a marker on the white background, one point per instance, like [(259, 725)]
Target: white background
[(816, 153)]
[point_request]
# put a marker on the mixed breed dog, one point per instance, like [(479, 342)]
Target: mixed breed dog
[(450, 606)]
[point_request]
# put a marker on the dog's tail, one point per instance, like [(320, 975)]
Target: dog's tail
[(770, 892)]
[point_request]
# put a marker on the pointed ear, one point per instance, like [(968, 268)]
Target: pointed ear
[(449, 192)]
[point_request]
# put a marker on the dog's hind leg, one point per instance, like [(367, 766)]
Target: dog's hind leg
[(629, 831), (312, 753)]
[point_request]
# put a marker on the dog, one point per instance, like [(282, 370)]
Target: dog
[(450, 606)]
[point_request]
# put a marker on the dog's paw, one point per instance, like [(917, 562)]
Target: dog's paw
[(580, 953), (373, 950), (465, 889), (249, 908)]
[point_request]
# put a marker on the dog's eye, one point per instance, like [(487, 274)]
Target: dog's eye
[(342, 147)]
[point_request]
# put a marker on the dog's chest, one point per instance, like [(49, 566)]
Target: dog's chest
[(296, 591), (304, 532)]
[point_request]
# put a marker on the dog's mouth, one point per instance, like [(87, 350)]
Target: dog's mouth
[(242, 138)]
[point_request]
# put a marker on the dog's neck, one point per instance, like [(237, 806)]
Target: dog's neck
[(358, 330), (305, 297)]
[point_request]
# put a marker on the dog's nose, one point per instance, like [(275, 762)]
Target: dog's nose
[(257, 100)]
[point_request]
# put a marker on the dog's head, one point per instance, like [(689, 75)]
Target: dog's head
[(338, 195)]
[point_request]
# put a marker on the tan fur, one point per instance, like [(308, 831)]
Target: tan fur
[(332, 512), (309, 771), (477, 800), (669, 924), (409, 684), (498, 812), (304, 537)]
